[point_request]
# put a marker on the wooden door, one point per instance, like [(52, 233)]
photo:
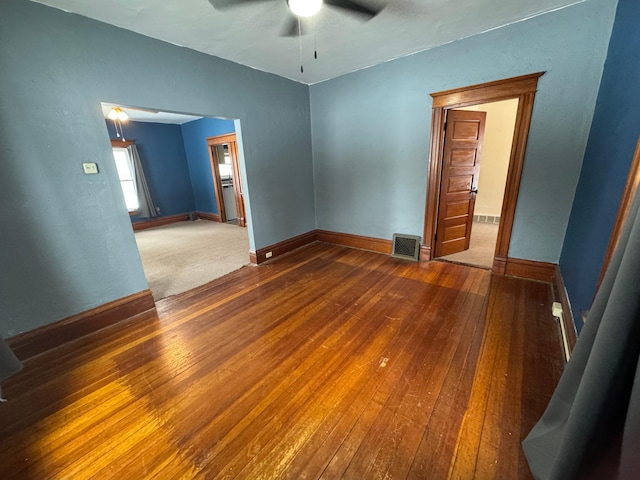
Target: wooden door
[(464, 133), (237, 184)]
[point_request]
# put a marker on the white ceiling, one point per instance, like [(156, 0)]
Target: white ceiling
[(249, 34)]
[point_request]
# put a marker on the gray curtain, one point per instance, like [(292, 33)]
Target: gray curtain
[(591, 427), (147, 208)]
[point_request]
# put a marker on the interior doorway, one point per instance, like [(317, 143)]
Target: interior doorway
[(481, 174), (227, 181), (164, 171), (522, 89)]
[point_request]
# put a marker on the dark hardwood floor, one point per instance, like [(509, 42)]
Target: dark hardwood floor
[(328, 362)]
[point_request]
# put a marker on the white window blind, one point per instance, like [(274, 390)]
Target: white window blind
[(126, 172)]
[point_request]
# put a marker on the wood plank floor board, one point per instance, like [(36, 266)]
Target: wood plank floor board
[(401, 411), (325, 443), (380, 320), (436, 449), (365, 393), (439, 358), (365, 428), (327, 362), (290, 352)]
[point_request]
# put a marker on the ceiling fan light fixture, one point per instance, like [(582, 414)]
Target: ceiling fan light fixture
[(116, 113), (305, 8)]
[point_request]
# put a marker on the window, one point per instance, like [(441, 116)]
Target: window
[(126, 172)]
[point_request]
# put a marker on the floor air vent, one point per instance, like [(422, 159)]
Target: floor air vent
[(406, 246)]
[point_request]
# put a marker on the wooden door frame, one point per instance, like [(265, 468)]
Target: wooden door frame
[(628, 194), (238, 191), (522, 88), (215, 171)]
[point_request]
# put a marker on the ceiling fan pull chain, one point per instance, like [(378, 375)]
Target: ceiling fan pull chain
[(300, 44), (315, 39)]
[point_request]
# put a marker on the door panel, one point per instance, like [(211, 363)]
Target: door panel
[(459, 182), (466, 130), (454, 232), (463, 157), (456, 209)]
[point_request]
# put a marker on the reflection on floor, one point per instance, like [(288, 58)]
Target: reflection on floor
[(482, 248)]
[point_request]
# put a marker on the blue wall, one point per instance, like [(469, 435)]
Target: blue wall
[(614, 134), (195, 135), (371, 128), (67, 244), (162, 154)]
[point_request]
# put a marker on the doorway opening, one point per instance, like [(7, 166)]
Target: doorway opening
[(225, 170), (485, 181), (163, 163), (521, 89)]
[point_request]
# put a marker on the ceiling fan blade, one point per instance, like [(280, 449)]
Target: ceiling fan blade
[(290, 27), (352, 6), (227, 4)]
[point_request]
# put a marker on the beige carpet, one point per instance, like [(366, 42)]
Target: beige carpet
[(482, 246), (185, 255)]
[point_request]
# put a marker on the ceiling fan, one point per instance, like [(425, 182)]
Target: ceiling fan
[(304, 9)]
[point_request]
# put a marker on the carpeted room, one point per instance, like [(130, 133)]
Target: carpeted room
[(174, 182)]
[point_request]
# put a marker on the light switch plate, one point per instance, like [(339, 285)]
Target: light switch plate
[(90, 168)]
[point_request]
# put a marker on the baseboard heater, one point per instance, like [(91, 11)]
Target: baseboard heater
[(556, 311), (406, 246)]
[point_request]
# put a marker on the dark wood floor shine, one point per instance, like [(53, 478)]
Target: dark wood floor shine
[(328, 363)]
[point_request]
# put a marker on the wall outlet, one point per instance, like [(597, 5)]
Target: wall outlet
[(268, 255), (556, 309), (90, 168)]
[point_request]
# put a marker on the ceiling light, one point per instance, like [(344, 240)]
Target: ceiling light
[(116, 113), (305, 8)]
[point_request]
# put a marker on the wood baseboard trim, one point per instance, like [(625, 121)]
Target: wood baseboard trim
[(213, 217), (499, 265), (531, 269), (277, 249), (158, 222), (425, 253), (355, 241), (34, 342), (372, 244), (560, 294)]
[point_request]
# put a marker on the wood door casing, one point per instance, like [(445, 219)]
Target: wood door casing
[(464, 135), (522, 88), (628, 194), (230, 140), (237, 184)]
